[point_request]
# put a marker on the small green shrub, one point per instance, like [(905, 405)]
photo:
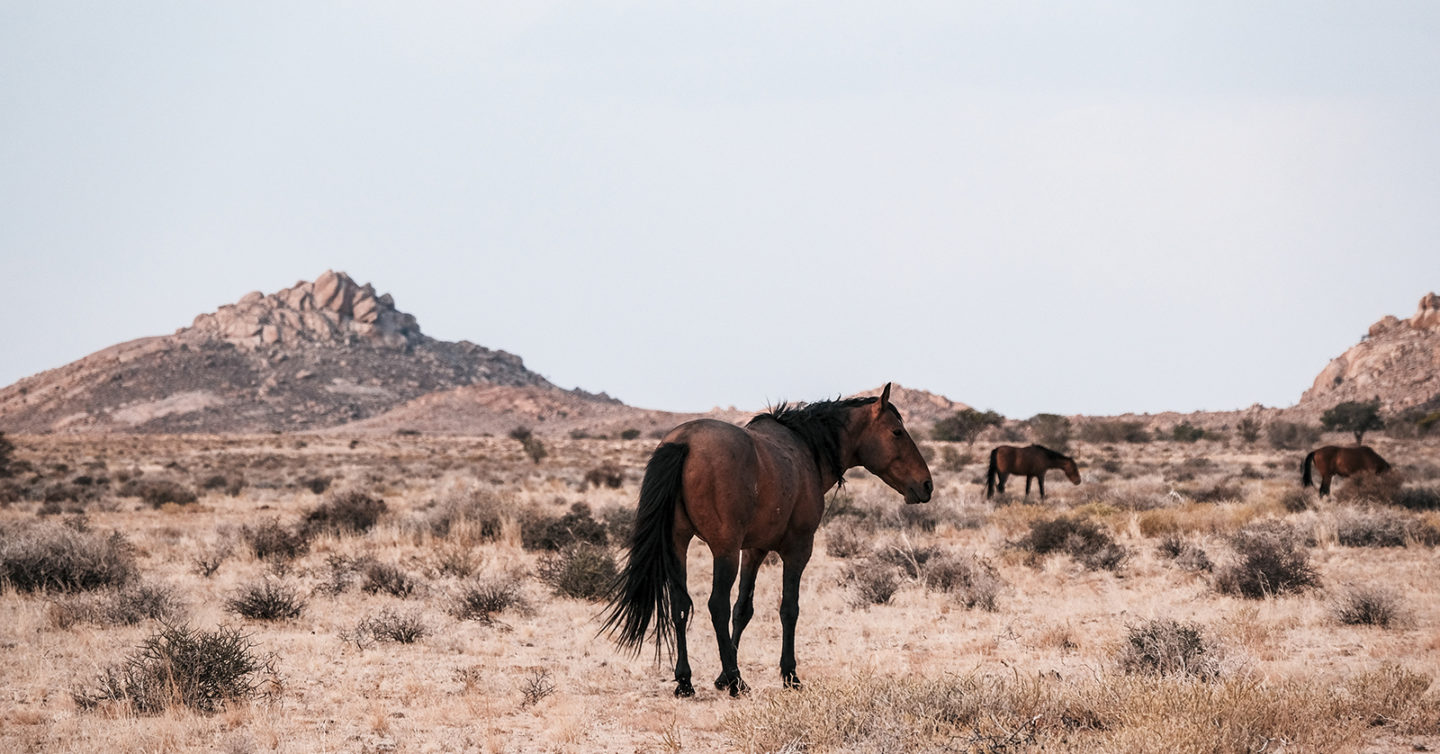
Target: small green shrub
[(541, 532), (1080, 538)]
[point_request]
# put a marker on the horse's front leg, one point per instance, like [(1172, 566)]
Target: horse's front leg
[(727, 565), (1000, 484), (1028, 479), (1041, 481), (790, 612), (680, 610)]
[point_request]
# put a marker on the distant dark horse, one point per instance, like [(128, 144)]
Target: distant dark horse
[(1032, 461), (754, 490), (1334, 461)]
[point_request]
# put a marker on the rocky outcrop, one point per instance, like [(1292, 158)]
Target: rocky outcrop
[(1398, 362), (334, 307), (318, 354)]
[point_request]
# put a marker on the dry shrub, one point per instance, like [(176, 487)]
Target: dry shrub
[(606, 475), (1216, 493), (871, 582), (1296, 500), (1199, 518), (1168, 647), (1080, 538), (483, 598), (230, 485), (847, 539), (266, 600), (158, 492), (64, 557), (1366, 487), (582, 570), (974, 582), (470, 518), (1370, 606), (387, 578), (348, 512), (1373, 528), (387, 626), (619, 522), (1272, 559), (538, 685), (541, 532), (1187, 555), (269, 540), (1417, 498), (210, 559), (125, 606), (183, 667)]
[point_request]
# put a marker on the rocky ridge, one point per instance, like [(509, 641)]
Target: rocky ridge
[(1398, 362)]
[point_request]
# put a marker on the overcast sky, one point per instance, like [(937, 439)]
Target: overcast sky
[(1080, 207)]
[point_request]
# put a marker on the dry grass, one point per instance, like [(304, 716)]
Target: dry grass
[(457, 644)]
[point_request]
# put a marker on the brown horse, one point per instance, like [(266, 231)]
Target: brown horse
[(747, 492), (1331, 461), (1032, 461)]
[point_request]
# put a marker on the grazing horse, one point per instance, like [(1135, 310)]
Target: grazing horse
[(1331, 461), (747, 492), (1032, 461)]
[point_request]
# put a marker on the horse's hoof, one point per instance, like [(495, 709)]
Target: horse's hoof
[(722, 681), (684, 689), (791, 681), (739, 687)]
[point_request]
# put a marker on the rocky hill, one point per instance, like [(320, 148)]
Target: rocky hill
[(1398, 361), (315, 355)]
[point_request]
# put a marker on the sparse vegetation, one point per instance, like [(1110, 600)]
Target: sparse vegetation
[(183, 667), (348, 512), (871, 582), (1050, 430), (1285, 435), (1370, 606), (269, 540), (541, 532), (1354, 417), (387, 626), (124, 606), (266, 600), (64, 557), (965, 425), (1271, 560), (1080, 538), (482, 599), (581, 570), (1168, 647)]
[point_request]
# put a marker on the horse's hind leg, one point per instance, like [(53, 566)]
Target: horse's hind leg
[(727, 565), (1000, 478), (1028, 479), (750, 561), (1041, 481), (790, 614), (1324, 485), (680, 610)]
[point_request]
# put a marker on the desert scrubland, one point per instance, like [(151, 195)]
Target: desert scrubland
[(298, 593)]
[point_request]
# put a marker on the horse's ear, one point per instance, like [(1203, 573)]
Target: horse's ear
[(885, 396)]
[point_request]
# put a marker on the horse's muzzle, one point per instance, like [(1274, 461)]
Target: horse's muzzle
[(919, 493)]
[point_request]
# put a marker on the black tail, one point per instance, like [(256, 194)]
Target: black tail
[(642, 590), (990, 475), (1305, 469)]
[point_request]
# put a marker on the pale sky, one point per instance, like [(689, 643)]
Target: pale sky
[(1080, 207)]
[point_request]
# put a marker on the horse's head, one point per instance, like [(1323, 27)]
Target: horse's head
[(885, 449), (1072, 472)]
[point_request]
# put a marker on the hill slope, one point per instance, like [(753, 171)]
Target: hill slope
[(315, 355), (1398, 362)]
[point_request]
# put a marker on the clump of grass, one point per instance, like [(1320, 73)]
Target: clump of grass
[(482, 599), (1187, 555), (210, 559), (387, 626), (125, 606), (1080, 538), (348, 512), (1168, 647), (269, 540), (871, 582), (1370, 606), (230, 485), (1271, 559), (974, 582), (553, 533), (266, 600), (619, 522), (1417, 498), (183, 667), (582, 570), (64, 557)]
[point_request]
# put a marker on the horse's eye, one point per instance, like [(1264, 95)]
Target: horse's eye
[(898, 432)]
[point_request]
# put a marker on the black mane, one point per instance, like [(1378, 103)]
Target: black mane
[(819, 425), (1054, 456)]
